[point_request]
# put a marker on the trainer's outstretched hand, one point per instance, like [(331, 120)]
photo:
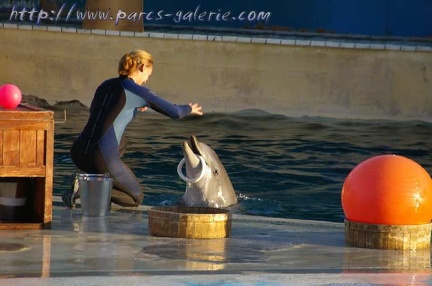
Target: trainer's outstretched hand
[(196, 109)]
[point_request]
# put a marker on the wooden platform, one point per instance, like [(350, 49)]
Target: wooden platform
[(27, 151)]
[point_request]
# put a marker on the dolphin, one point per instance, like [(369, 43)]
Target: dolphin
[(207, 181)]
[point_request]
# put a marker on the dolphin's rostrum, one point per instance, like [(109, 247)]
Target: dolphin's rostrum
[(207, 181)]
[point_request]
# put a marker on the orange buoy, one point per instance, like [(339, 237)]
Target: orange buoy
[(388, 189)]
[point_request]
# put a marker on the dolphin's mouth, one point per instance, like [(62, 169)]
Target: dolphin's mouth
[(202, 173), (194, 145), (193, 159)]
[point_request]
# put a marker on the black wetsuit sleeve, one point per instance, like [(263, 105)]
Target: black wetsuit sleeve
[(156, 102)]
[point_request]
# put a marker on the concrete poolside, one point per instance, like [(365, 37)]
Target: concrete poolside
[(261, 251)]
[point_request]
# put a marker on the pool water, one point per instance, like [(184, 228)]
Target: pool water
[(280, 166)]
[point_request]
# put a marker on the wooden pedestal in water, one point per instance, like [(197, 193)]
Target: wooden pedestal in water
[(189, 222), (401, 237), (26, 167)]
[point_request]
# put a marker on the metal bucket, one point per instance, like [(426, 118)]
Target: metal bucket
[(13, 198), (95, 193)]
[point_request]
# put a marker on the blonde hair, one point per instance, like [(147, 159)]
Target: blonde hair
[(130, 62)]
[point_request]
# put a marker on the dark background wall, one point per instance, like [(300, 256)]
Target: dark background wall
[(406, 18), (399, 18)]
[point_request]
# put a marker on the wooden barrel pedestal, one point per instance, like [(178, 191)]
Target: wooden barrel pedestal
[(189, 222), (381, 236)]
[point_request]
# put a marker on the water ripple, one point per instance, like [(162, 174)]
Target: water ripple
[(279, 166)]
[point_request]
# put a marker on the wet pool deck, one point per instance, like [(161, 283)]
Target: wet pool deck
[(260, 251)]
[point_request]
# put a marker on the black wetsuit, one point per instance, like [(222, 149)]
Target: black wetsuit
[(99, 147)]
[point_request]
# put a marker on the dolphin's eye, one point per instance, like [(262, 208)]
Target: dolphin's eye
[(215, 171)]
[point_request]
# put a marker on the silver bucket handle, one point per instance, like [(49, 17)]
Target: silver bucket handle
[(86, 177)]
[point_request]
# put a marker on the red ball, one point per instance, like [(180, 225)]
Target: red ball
[(388, 189), (10, 96)]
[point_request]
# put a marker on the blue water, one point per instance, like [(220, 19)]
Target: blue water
[(280, 166)]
